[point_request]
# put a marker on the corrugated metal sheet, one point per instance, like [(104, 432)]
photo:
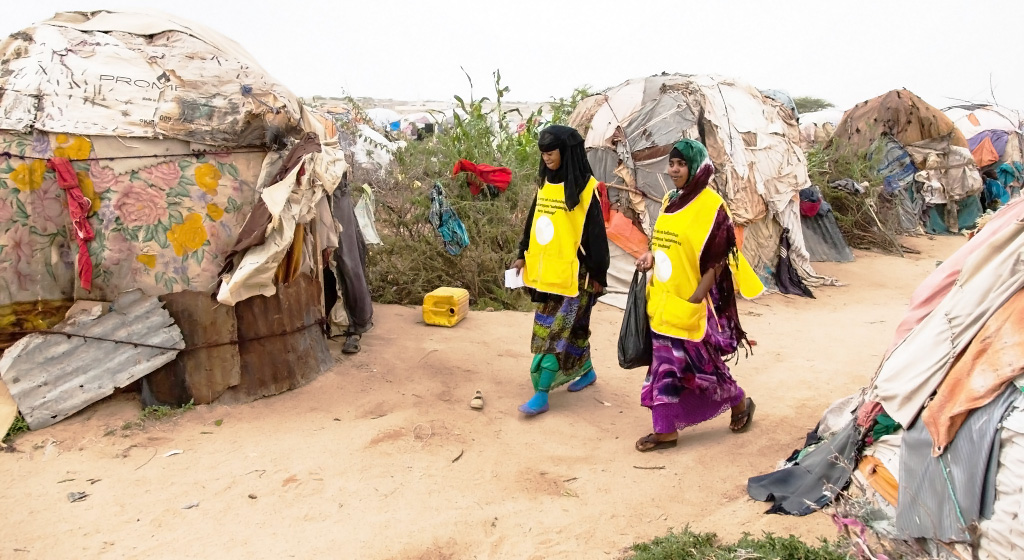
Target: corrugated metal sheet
[(210, 363), (281, 341), (52, 376), (824, 241), (260, 347)]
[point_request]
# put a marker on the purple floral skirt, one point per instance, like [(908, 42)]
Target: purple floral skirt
[(688, 381)]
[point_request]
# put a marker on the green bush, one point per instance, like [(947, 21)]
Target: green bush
[(412, 261), (867, 221), (17, 427), (689, 545)]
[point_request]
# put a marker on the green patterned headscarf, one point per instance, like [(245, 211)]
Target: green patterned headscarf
[(697, 161)]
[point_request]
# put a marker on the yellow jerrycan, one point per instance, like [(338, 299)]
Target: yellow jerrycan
[(445, 307)]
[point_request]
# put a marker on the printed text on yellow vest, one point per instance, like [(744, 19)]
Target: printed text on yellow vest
[(555, 237), (677, 243)]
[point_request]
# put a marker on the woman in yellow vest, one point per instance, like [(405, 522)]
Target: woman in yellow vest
[(691, 302), (563, 258)]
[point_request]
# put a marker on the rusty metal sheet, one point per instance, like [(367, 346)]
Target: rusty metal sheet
[(52, 376), (210, 363), (281, 341)]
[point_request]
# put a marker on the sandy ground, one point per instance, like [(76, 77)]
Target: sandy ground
[(381, 458)]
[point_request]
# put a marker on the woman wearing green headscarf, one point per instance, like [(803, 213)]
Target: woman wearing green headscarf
[(691, 302)]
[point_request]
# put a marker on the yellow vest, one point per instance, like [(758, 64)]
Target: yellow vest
[(677, 243), (555, 237)]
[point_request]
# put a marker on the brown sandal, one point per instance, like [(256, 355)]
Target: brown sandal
[(650, 442), (746, 417)]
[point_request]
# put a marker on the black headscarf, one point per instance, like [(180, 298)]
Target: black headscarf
[(575, 170)]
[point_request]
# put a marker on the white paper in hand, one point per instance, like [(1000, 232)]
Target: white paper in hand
[(513, 279)]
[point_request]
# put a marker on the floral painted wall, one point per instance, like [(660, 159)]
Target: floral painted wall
[(163, 224)]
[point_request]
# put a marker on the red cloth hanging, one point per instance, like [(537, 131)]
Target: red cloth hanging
[(78, 207), (606, 203), (482, 174)]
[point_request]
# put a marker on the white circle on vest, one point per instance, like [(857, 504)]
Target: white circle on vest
[(662, 266), (544, 230)]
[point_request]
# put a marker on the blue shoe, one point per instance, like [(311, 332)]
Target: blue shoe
[(585, 380), (536, 405), (527, 410)]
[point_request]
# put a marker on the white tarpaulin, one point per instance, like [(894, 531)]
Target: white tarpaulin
[(139, 75)]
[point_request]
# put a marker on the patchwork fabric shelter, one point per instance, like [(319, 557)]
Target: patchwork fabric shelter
[(753, 143), (939, 431), (186, 156), (922, 158)]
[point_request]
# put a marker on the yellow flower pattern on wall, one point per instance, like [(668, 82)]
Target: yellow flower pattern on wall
[(208, 177), (187, 236), (148, 260), (73, 147), (29, 176)]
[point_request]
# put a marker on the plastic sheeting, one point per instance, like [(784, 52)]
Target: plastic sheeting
[(824, 241), (948, 172), (916, 367), (972, 119), (1002, 534), (940, 497), (291, 201), (753, 142), (133, 74), (814, 480)]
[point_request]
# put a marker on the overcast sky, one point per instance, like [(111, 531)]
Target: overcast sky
[(845, 51)]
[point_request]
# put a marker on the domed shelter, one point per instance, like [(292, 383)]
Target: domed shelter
[(922, 158), (899, 113), (203, 182), (752, 140), (936, 438)]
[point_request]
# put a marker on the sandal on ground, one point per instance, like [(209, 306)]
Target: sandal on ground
[(745, 417), (351, 344), (650, 442), (477, 402)]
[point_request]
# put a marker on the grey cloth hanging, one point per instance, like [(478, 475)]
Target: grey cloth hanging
[(941, 497), (814, 481), (350, 259)]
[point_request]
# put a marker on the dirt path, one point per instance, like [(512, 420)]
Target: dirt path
[(381, 458)]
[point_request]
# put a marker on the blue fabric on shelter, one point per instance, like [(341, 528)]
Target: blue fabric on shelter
[(447, 222), (999, 139), (1009, 174), (968, 211), (893, 164), (995, 191)]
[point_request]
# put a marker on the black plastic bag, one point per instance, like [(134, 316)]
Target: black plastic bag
[(635, 334)]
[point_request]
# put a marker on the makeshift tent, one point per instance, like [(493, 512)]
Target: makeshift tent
[(922, 157), (993, 147), (782, 97), (187, 157), (817, 128), (385, 119), (937, 438), (752, 140), (901, 114), (972, 119)]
